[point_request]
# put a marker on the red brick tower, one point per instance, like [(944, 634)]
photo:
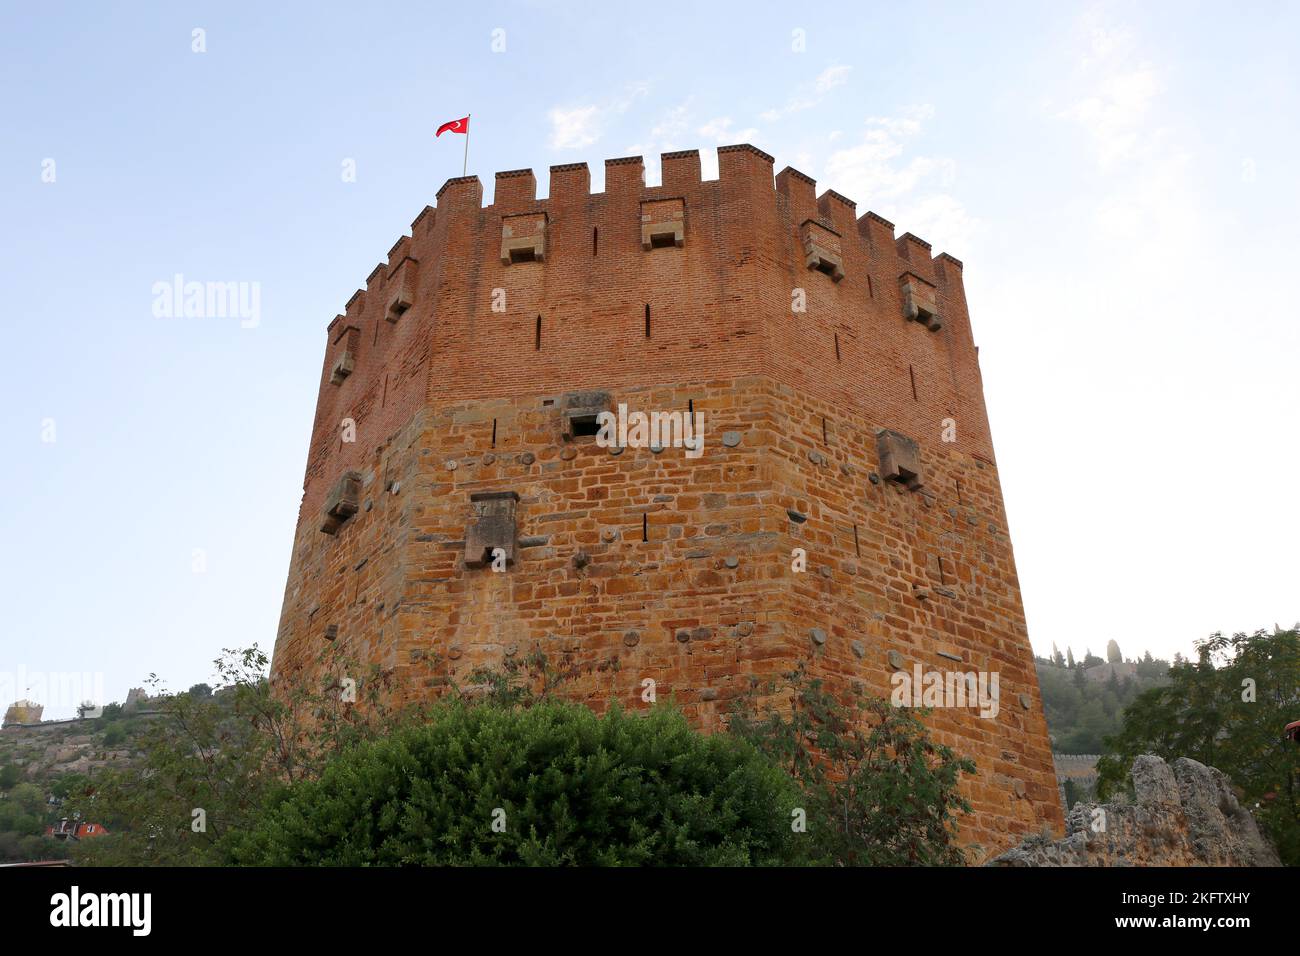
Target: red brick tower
[(840, 391)]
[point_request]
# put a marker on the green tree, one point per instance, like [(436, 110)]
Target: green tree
[(1227, 710), (552, 784), (879, 792), (10, 774)]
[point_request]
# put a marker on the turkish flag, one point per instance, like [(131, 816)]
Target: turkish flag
[(455, 126)]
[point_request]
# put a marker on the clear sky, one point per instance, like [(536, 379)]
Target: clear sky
[(1120, 180)]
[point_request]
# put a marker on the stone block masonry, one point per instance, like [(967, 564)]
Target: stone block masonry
[(479, 356)]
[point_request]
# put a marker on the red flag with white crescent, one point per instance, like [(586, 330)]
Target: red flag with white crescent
[(455, 126)]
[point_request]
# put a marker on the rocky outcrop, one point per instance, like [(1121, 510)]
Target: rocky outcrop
[(1182, 815)]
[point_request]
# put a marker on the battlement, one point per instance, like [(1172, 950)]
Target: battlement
[(512, 296), (740, 167)]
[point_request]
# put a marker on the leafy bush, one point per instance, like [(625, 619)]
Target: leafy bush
[(878, 792), (552, 784)]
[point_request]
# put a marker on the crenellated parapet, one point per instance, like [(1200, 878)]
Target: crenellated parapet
[(749, 273)]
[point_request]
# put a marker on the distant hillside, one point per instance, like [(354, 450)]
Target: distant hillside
[(1084, 701), (40, 764)]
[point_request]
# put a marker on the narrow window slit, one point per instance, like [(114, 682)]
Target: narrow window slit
[(494, 433), (595, 240), (911, 373), (647, 320), (645, 526), (537, 344), (837, 346), (857, 545)]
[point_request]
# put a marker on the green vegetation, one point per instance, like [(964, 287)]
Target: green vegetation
[(549, 785), (502, 773), (1227, 709), (881, 792)]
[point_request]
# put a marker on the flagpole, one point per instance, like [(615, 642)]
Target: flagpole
[(464, 169)]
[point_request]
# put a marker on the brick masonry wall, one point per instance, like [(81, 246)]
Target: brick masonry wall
[(454, 398)]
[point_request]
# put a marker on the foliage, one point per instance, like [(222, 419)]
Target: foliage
[(878, 791), (209, 760), (300, 777), (1207, 712), (562, 786), (1081, 712)]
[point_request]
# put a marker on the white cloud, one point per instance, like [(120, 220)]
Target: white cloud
[(832, 77), (915, 189), (1116, 114), (1118, 92), (809, 95), (574, 128), (577, 127), (719, 131)]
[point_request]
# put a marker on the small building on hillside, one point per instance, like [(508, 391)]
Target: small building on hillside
[(23, 712), (67, 829)]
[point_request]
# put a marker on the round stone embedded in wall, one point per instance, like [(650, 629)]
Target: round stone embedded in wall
[(873, 478), (452, 465), (455, 651), (731, 439), (683, 636), (816, 458), (709, 693), (732, 562), (1025, 701), (489, 458), (895, 660), (608, 535), (512, 650), (569, 453), (701, 633), (631, 639), (818, 636), (859, 649), (744, 629), (527, 458)]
